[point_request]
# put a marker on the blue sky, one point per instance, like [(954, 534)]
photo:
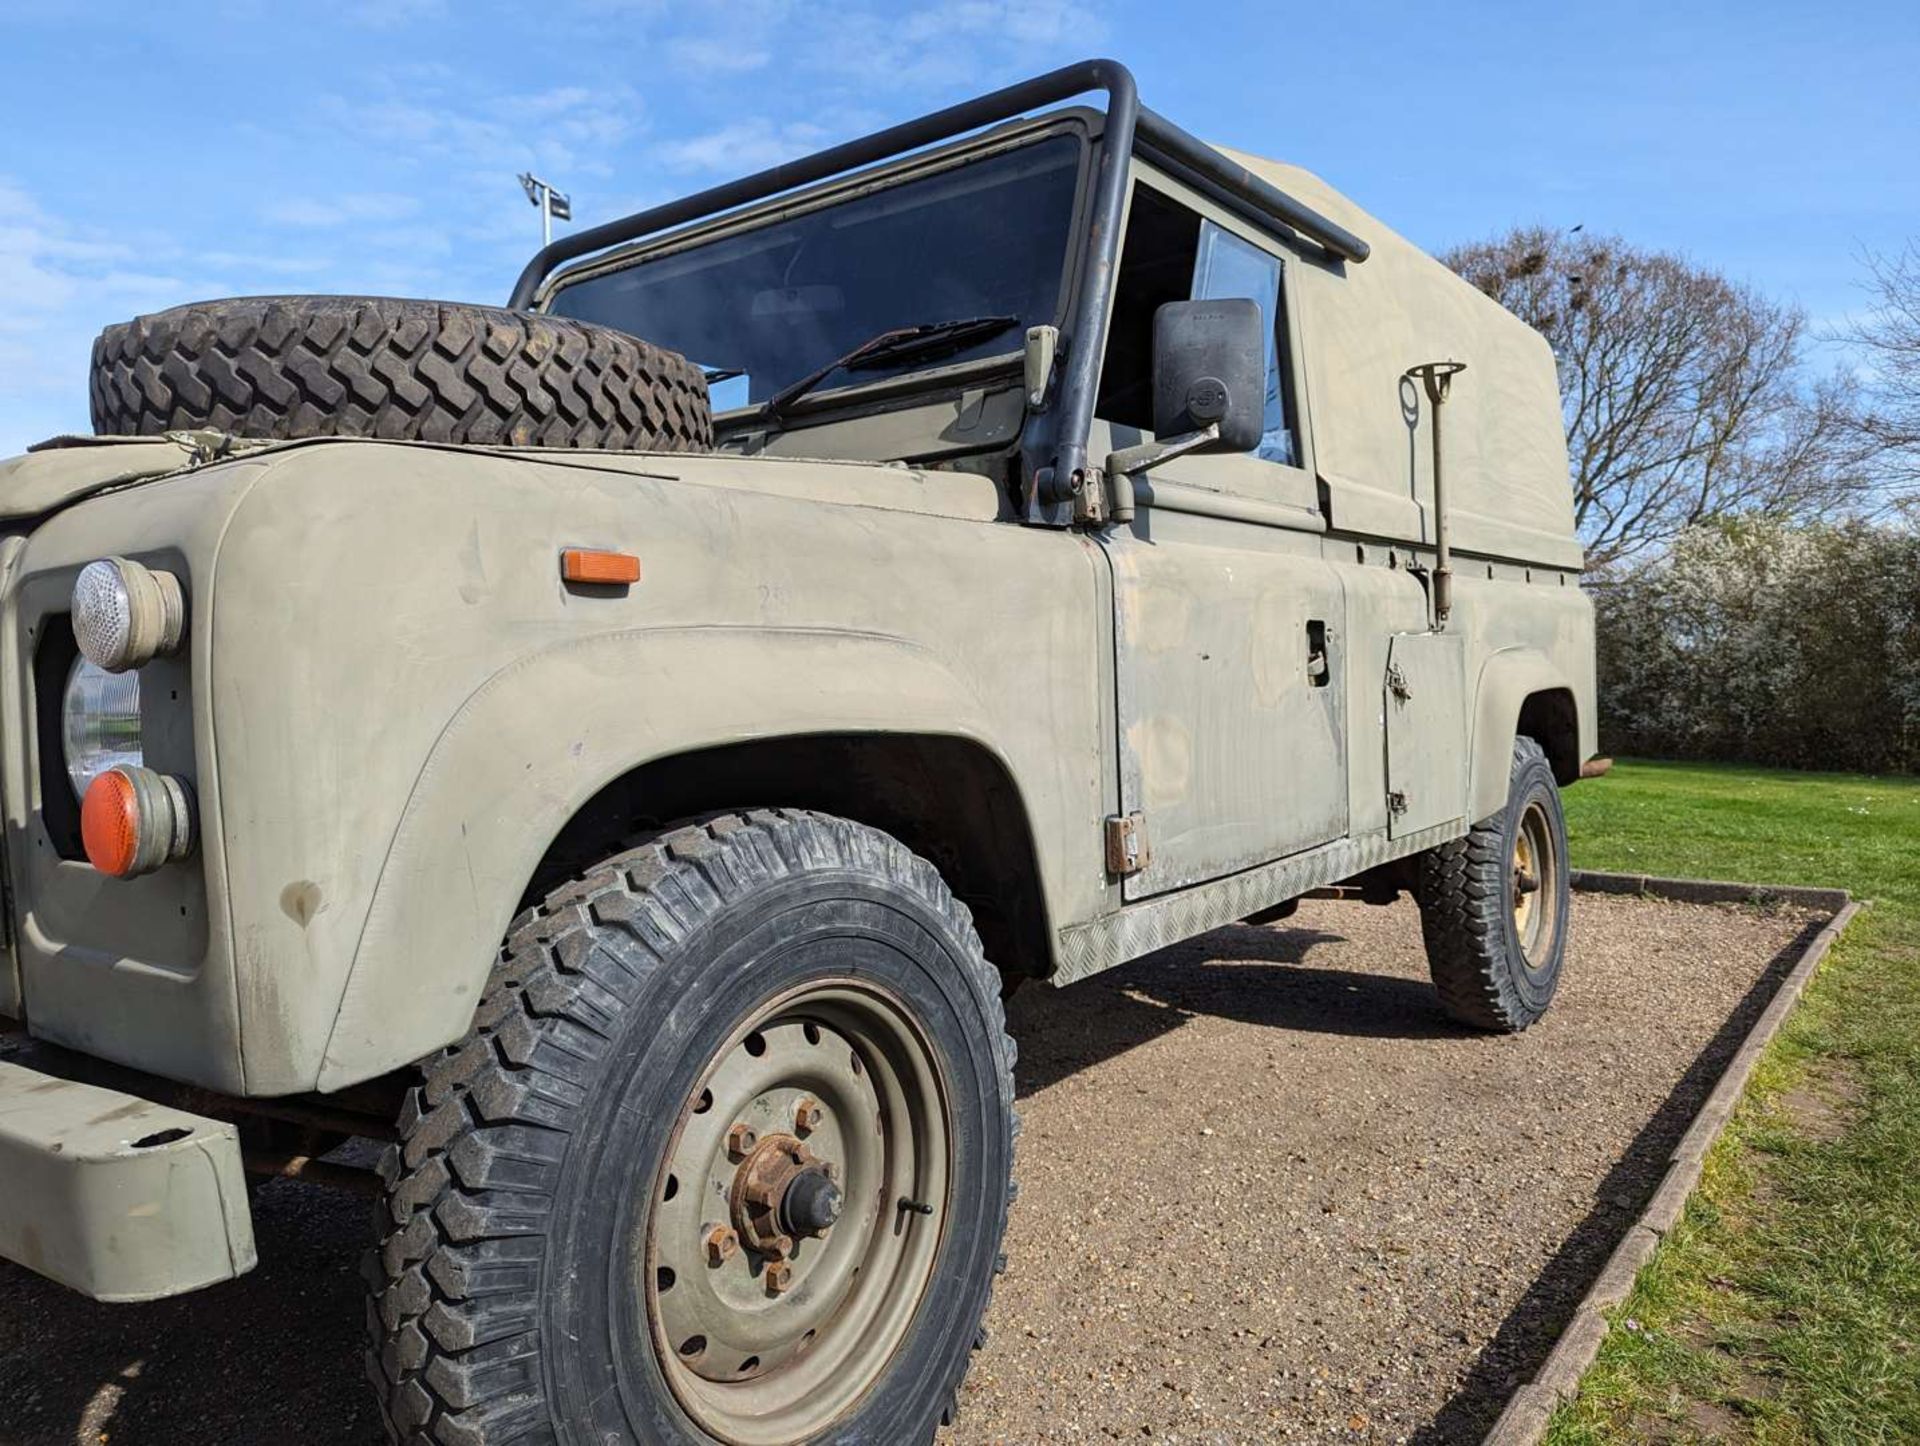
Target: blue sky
[(161, 152)]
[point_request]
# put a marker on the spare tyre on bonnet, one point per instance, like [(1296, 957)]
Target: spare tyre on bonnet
[(286, 367)]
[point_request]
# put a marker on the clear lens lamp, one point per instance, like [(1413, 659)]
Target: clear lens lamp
[(100, 723), (126, 614), (132, 819)]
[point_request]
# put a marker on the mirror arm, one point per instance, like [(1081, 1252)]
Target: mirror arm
[(1148, 455), (1123, 466)]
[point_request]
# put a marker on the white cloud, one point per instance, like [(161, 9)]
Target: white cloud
[(392, 14), (62, 285), (278, 264), (401, 181), (328, 211), (744, 146), (712, 54), (966, 44)]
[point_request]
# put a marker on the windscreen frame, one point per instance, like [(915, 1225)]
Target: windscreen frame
[(1079, 125)]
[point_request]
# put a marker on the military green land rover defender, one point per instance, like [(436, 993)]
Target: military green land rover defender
[(618, 750)]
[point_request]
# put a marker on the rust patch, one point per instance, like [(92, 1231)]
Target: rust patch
[(125, 1112), (301, 901)]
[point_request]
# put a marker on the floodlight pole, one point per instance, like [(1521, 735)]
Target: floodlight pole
[(540, 193)]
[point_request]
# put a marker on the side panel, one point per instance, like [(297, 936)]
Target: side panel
[(510, 770), (1382, 603), (1233, 729), (133, 970), (1528, 633), (1102, 943), (1506, 453), (409, 702), (1425, 701), (1506, 681)]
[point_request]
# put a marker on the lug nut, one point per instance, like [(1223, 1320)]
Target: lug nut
[(740, 1141), (721, 1244), (779, 1277), (807, 1115)]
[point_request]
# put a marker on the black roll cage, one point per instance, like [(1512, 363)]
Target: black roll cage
[(1055, 444)]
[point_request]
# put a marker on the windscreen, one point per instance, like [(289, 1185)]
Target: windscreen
[(764, 308)]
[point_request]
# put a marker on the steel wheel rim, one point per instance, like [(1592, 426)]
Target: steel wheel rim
[(1535, 875), (749, 1363)]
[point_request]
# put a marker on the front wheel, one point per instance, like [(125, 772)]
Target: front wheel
[(726, 1157), (1493, 905)]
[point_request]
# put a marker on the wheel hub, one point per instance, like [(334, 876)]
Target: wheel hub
[(1532, 870), (778, 1275), (812, 1203), (783, 1190)]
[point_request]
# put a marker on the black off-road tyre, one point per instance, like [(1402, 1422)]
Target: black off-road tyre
[(285, 367), (1471, 894), (521, 1177)]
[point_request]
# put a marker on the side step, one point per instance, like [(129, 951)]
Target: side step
[(117, 1197)]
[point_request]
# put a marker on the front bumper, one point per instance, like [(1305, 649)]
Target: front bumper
[(119, 1198)]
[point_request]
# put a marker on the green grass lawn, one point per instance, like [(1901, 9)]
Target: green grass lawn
[(1786, 1305)]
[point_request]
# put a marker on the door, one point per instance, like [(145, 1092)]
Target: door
[(1425, 704), (1230, 680), (1229, 664)]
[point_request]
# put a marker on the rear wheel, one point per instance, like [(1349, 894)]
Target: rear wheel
[(1493, 905), (726, 1157)]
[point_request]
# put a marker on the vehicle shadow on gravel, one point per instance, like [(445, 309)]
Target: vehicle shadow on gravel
[(275, 1356), (1528, 1334), (271, 1358), (1258, 975)]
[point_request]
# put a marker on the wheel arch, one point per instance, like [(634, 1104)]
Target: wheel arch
[(1521, 691), (947, 796), (584, 742)]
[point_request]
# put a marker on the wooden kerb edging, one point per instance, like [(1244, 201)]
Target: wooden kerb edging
[(1524, 1421)]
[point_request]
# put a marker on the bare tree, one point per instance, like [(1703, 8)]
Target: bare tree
[(1889, 341), (1685, 394)]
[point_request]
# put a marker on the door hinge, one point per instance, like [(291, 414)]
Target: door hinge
[(1127, 851), (1090, 503), (1397, 683), (1396, 802)]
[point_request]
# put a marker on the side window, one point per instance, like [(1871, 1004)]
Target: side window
[(1156, 266), (1229, 266), (1171, 254)]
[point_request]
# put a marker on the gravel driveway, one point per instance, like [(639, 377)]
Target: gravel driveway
[(1268, 1192)]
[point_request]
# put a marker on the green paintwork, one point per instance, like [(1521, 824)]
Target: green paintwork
[(389, 703)]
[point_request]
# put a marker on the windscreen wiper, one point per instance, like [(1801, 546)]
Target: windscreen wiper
[(903, 343)]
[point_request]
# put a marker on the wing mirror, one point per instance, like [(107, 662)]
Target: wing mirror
[(1209, 382), (1210, 369)]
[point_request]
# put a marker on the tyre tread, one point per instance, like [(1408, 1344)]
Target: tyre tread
[(454, 1277), (1463, 895), (286, 367)]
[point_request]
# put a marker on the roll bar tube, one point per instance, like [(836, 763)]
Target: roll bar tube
[(1058, 479)]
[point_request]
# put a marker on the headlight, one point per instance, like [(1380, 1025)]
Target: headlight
[(100, 723)]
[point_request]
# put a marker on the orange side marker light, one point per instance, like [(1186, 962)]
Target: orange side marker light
[(110, 824), (133, 821), (604, 569)]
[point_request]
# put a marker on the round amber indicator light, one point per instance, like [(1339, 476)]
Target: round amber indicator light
[(110, 823), (134, 820)]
